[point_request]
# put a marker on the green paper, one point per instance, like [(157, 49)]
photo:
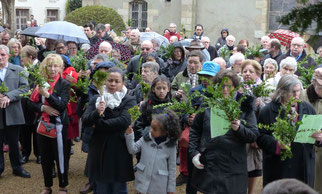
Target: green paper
[(219, 125), (310, 124)]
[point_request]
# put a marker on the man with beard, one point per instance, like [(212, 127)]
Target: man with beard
[(135, 65), (274, 51)]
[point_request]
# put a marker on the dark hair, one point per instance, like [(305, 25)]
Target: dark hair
[(241, 48), (276, 44), (160, 78), (198, 25), (288, 186), (147, 106), (170, 124), (88, 26), (100, 27), (230, 75), (60, 41), (244, 40), (195, 53), (165, 30), (72, 43), (116, 70)]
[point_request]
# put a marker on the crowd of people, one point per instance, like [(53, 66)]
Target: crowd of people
[(42, 116)]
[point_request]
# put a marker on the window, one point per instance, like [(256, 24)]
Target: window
[(22, 16), (52, 15), (139, 14)]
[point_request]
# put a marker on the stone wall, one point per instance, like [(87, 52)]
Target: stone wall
[(246, 19)]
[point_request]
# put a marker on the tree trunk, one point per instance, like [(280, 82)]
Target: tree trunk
[(9, 14)]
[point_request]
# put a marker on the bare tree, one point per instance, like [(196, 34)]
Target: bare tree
[(9, 13)]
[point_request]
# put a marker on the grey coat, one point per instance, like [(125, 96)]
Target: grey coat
[(156, 171), (17, 85)]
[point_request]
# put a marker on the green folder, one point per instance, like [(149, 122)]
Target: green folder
[(310, 124), (219, 125)]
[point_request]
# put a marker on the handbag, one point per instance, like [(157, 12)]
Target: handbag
[(47, 129)]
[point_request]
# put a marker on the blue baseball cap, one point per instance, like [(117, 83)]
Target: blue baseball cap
[(209, 68)]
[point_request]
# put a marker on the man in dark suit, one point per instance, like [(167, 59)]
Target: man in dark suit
[(11, 113)]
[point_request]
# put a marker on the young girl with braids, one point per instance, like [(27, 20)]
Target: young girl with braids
[(156, 171)]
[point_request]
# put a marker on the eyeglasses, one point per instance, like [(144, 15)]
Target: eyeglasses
[(147, 49)]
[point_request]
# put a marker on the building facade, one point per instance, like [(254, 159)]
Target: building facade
[(43, 11), (245, 19)]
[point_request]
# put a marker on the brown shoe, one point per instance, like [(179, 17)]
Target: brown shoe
[(181, 179), (87, 189)]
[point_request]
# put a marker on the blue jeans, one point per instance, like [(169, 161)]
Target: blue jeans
[(110, 188)]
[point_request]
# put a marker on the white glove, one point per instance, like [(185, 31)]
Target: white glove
[(196, 162)]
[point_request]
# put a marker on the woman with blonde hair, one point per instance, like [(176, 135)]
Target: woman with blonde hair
[(15, 47), (50, 103)]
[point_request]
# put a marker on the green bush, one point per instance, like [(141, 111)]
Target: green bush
[(98, 14)]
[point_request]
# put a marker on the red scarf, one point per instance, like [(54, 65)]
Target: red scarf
[(35, 96)]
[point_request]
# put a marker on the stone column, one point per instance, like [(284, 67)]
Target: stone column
[(187, 16), (262, 18)]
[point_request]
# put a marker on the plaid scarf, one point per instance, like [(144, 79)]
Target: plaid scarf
[(193, 79)]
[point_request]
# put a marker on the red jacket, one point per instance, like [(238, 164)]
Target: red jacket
[(169, 34)]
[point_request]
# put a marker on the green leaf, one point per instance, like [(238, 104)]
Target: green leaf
[(283, 129), (99, 79), (3, 88)]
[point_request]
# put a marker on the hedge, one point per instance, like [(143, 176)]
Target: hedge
[(97, 14)]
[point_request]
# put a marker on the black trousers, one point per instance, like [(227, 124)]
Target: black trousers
[(12, 135), (27, 133), (48, 150), (189, 188)]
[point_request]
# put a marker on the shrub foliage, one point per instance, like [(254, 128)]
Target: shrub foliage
[(97, 14)]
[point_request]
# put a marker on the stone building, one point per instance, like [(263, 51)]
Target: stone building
[(43, 11), (245, 19)]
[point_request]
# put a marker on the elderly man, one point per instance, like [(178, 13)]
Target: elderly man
[(110, 31), (150, 71), (229, 46), (211, 49), (134, 41), (5, 37), (136, 62), (11, 112), (221, 62), (172, 31), (235, 62), (198, 34), (297, 51), (274, 50), (173, 39), (106, 49), (100, 34)]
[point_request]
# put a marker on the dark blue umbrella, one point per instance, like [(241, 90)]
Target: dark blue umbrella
[(30, 31)]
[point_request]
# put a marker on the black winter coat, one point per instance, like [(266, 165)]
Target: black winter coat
[(108, 158), (301, 165), (224, 157), (57, 100), (146, 117)]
